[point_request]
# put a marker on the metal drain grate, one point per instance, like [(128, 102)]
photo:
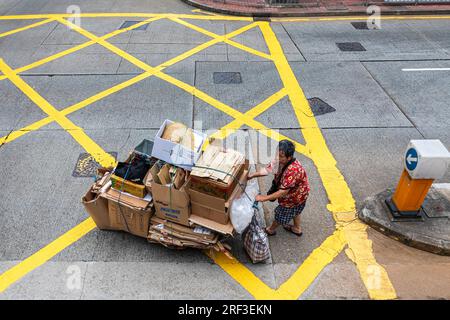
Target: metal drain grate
[(86, 165), (360, 25), (227, 77), (127, 24), (350, 46), (320, 107)]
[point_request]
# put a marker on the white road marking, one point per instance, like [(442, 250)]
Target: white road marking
[(427, 69)]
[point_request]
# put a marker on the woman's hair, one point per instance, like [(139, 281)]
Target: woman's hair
[(287, 147)]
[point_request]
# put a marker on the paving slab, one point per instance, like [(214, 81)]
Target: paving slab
[(241, 96), (52, 281), (103, 26), (160, 281), (215, 26), (17, 49), (17, 109), (156, 54), (92, 60), (63, 34), (7, 5), (371, 160), (344, 274), (350, 89), (156, 6), (396, 40), (423, 95), (10, 25), (290, 49), (157, 33), (34, 215), (145, 104), (25, 7), (63, 91)]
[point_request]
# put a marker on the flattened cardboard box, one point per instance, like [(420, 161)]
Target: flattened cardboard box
[(128, 213), (226, 229), (196, 233), (215, 208)]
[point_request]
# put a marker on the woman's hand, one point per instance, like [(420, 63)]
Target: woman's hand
[(260, 198)]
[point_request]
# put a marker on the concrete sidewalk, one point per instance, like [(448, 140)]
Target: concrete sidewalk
[(262, 8)]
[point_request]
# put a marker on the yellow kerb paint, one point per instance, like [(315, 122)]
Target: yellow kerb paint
[(342, 204)]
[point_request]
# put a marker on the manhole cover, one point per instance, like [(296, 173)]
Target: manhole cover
[(360, 25), (320, 107), (127, 24), (227, 77), (350, 46), (86, 165)]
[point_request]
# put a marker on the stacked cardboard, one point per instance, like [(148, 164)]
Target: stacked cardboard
[(173, 207), (114, 210), (217, 171)]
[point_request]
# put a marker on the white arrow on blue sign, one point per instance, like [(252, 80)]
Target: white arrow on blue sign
[(411, 159)]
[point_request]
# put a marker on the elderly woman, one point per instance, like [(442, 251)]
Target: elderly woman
[(290, 187)]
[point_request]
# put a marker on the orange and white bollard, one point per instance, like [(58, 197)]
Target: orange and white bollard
[(425, 161)]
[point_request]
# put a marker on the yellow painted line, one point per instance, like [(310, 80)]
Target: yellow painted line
[(296, 285), (107, 45), (79, 47), (129, 15), (204, 12), (43, 255), (194, 91), (304, 276), (289, 289), (224, 108), (221, 17), (228, 41), (356, 18), (240, 273), (76, 132), (342, 204), (37, 24), (39, 124), (253, 113)]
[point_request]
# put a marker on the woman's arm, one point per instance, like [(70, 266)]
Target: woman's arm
[(280, 193), (261, 173)]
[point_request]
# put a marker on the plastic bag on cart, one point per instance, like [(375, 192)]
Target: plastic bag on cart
[(242, 208), (256, 242)]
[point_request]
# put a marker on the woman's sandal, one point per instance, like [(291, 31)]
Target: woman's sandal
[(289, 228), (268, 233)]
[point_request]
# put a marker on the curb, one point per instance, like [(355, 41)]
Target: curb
[(412, 239), (311, 14)]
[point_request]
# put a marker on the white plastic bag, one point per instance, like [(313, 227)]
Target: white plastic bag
[(242, 207)]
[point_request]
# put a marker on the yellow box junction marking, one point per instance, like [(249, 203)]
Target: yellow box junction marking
[(37, 24), (349, 231), (76, 132), (18, 133), (342, 204), (43, 255)]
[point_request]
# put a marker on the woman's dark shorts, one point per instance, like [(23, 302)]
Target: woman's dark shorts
[(284, 215)]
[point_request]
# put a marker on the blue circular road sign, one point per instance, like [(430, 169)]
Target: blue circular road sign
[(411, 159)]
